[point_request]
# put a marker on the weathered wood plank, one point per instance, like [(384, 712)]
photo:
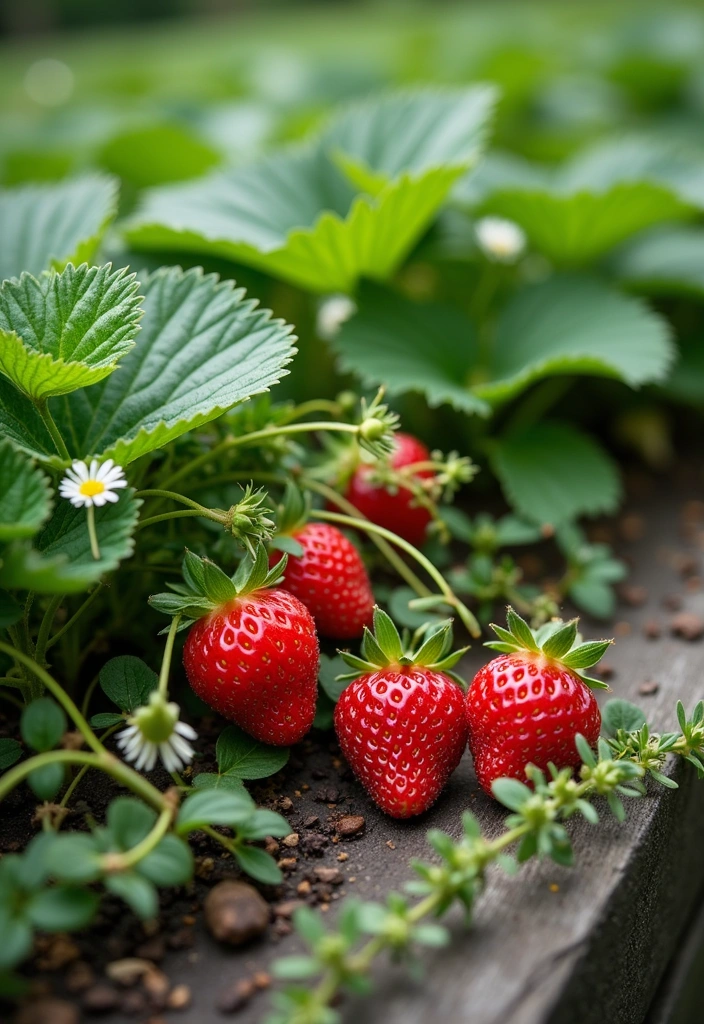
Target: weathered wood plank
[(553, 945)]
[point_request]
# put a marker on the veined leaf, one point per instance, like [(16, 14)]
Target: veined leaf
[(552, 473), (63, 331), (411, 347), (575, 325), (664, 261), (25, 494), (410, 132), (202, 348), (566, 325), (61, 562), (578, 227), (296, 216), (47, 225)]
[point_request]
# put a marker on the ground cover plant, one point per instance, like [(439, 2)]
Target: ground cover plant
[(282, 419)]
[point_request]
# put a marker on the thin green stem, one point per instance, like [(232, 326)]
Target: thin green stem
[(257, 435), (105, 762), (10, 699), (42, 408), (89, 693), (404, 570), (152, 492), (313, 405), (85, 768), (58, 691), (127, 860), (180, 514), (94, 546), (45, 627), (74, 618), (166, 660), (451, 598)]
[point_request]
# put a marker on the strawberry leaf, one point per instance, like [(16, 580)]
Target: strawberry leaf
[(25, 495)]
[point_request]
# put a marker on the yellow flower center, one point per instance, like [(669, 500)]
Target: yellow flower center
[(89, 488)]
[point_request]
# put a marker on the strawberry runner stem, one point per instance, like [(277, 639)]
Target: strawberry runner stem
[(166, 660), (450, 597)]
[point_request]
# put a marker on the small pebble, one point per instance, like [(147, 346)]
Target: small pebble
[(179, 997), (271, 846), (330, 876), (622, 628), (48, 1011), (673, 602), (350, 825), (343, 856), (288, 907), (648, 689), (287, 863), (235, 913), (291, 839), (633, 595), (261, 979), (687, 625), (235, 997), (128, 971), (156, 985), (79, 977), (100, 998), (303, 888), (286, 803), (652, 629), (391, 844)]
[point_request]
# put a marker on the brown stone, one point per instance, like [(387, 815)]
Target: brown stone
[(687, 625), (652, 629), (48, 1011), (235, 913), (179, 997), (291, 840), (128, 971), (79, 976), (330, 876), (100, 998), (287, 908), (350, 825), (648, 689), (235, 997), (633, 595)]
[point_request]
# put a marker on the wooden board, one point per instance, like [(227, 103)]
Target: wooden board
[(552, 945)]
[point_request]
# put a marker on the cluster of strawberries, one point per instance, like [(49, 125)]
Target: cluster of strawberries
[(403, 721)]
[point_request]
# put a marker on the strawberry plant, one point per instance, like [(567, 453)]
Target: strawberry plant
[(304, 373)]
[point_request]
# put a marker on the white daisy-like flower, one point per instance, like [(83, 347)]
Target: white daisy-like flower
[(333, 312), (96, 484), (501, 240), (154, 731)]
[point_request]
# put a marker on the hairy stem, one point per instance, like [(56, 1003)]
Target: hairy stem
[(42, 408)]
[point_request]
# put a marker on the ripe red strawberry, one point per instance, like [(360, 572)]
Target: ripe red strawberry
[(396, 508), (330, 579), (400, 724), (528, 705), (252, 654)]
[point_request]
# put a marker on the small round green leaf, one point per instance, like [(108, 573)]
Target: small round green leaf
[(43, 724)]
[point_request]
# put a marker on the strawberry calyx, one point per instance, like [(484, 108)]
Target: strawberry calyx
[(206, 587), (386, 648), (557, 641)]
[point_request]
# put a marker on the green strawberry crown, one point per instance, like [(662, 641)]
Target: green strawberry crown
[(385, 648), (206, 587), (557, 640)]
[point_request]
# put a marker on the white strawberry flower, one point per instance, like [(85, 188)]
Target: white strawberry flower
[(96, 484), (501, 240), (333, 312), (154, 731)]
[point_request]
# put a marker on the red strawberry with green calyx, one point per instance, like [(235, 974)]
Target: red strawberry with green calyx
[(252, 651), (528, 705), (324, 570), (400, 723)]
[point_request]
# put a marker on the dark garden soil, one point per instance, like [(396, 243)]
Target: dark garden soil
[(340, 844)]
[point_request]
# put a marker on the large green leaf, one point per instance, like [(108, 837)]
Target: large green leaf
[(569, 325), (25, 494), (411, 133), (578, 227), (575, 325), (664, 261), (61, 562), (203, 347), (48, 225), (64, 331), (295, 214), (552, 473), (411, 347)]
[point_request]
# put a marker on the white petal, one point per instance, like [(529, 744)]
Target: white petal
[(186, 730), (110, 496), (81, 471), (98, 499), (183, 749), (168, 757), (104, 469), (93, 471)]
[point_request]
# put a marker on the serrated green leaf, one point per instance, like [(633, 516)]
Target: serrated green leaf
[(43, 723), (240, 755), (62, 562), (621, 714), (551, 473), (25, 494), (578, 227), (157, 153), (409, 132), (411, 347), (664, 261), (219, 348), (47, 225), (570, 325), (212, 780), (67, 330), (127, 681)]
